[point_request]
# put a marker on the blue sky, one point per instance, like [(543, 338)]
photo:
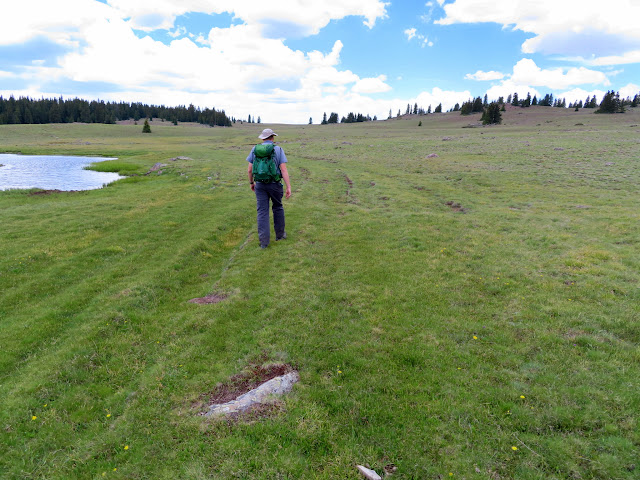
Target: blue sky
[(287, 61)]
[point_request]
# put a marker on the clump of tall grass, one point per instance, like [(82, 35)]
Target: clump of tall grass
[(115, 166)]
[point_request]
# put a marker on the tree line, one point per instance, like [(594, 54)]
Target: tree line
[(610, 103), (350, 118), (491, 111), (58, 110)]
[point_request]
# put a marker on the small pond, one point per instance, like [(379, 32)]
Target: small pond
[(52, 172)]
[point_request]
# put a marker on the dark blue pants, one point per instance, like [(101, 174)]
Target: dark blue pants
[(266, 192)]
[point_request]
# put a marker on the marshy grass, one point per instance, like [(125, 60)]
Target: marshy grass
[(115, 166)]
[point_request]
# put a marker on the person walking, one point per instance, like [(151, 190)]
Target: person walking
[(267, 166)]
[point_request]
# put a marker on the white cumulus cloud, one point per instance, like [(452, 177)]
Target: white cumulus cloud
[(245, 68), (310, 16), (448, 98), (527, 77), (24, 20), (580, 94), (571, 27), (626, 58), (527, 72), (371, 85), (410, 33), (484, 76)]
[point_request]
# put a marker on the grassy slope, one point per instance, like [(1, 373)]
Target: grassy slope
[(417, 328)]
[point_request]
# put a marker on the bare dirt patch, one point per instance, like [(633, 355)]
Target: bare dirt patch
[(305, 173), (156, 168), (246, 381), (456, 207), (209, 299), (350, 197)]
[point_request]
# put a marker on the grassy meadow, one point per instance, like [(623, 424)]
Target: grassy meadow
[(469, 315)]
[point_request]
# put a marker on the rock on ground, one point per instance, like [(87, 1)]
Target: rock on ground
[(260, 395), (368, 473)]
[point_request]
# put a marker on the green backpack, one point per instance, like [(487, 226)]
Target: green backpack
[(264, 165)]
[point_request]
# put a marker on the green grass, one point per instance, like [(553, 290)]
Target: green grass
[(440, 311)]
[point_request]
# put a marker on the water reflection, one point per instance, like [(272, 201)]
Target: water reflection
[(52, 172)]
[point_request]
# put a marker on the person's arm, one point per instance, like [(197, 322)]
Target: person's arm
[(250, 173), (285, 177)]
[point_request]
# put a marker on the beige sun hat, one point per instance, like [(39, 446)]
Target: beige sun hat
[(266, 133)]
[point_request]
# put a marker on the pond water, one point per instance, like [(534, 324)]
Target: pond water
[(52, 172)]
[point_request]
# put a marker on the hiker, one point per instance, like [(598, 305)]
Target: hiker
[(267, 166)]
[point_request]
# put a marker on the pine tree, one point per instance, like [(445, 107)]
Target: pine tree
[(54, 113), (324, 119), (146, 128), (477, 105), (491, 114), (611, 103), (438, 109), (467, 108)]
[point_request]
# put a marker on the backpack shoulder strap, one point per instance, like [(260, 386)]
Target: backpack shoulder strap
[(263, 150)]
